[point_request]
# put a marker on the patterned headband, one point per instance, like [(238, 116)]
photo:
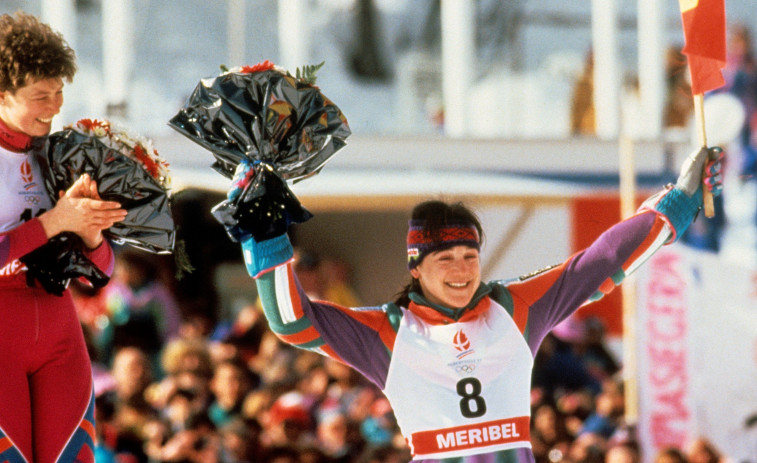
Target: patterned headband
[(420, 243)]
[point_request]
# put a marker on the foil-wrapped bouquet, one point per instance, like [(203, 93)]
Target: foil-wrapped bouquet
[(127, 170), (279, 126)]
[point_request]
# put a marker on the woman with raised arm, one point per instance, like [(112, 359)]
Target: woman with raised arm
[(453, 354)]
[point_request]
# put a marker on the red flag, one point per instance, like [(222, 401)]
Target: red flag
[(704, 30)]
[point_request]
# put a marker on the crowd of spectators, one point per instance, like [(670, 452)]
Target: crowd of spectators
[(232, 392)]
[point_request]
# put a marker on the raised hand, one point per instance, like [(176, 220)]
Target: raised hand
[(713, 178), (702, 167), (242, 177), (84, 187)]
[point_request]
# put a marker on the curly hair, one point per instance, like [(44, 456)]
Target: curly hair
[(30, 50)]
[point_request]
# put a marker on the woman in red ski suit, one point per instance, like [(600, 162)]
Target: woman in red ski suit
[(46, 395)]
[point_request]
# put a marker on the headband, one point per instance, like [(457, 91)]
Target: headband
[(421, 243)]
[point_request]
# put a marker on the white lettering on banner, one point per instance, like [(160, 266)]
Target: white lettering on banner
[(697, 332), (463, 437), (667, 331), (490, 433)]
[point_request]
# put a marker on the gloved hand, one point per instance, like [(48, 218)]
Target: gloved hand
[(259, 203), (242, 177), (707, 162), (257, 212), (681, 204)]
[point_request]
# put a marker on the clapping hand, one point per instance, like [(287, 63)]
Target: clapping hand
[(81, 210)]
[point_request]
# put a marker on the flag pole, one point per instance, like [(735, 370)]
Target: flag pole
[(709, 205), (628, 288)]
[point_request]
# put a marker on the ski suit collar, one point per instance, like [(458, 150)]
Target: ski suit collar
[(440, 315), (14, 141)]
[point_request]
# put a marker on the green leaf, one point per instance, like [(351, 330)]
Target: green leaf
[(307, 75)]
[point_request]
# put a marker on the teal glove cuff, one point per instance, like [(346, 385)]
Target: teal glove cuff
[(680, 209), (265, 256)]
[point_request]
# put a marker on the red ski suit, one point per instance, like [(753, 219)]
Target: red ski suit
[(46, 393)]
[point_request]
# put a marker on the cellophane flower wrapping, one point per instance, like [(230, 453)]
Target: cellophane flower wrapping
[(281, 124), (262, 207), (127, 170)]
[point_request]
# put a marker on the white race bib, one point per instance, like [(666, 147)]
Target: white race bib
[(463, 388)]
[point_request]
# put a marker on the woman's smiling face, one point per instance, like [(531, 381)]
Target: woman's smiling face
[(449, 277), (30, 109)]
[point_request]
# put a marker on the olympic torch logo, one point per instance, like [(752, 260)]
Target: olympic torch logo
[(27, 175), (462, 344)]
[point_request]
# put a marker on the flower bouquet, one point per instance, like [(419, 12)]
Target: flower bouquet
[(127, 170), (280, 127)]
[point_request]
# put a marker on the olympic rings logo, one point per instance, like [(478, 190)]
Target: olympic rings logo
[(32, 199), (466, 368)]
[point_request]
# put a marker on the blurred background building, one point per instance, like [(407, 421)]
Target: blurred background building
[(385, 59)]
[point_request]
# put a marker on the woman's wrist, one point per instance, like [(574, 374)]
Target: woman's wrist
[(50, 224), (93, 243)]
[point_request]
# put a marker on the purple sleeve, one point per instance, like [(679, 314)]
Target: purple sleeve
[(353, 338), (359, 337), (550, 297)]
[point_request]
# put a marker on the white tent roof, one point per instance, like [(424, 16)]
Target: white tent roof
[(393, 173)]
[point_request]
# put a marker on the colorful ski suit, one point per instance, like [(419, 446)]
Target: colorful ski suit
[(459, 380)]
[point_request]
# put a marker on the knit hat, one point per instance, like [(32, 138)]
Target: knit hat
[(421, 242), (290, 406)]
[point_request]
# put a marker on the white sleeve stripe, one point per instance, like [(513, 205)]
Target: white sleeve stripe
[(662, 237), (283, 299)]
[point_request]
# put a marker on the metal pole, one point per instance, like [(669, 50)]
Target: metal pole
[(61, 16), (235, 33), (458, 62), (628, 288), (118, 55), (604, 21), (651, 66), (293, 34)]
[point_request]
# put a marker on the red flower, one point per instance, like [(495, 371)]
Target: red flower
[(92, 124), (264, 66), (150, 165)]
